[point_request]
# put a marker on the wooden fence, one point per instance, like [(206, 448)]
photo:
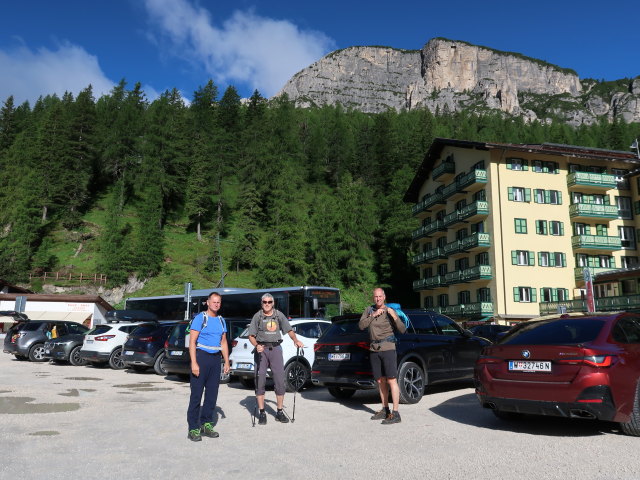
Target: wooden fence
[(78, 277)]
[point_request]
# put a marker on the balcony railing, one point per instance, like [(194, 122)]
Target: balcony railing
[(428, 255), (480, 207), (587, 179), (603, 304), (474, 241), (428, 229), (476, 176), (593, 210), (596, 242), (427, 203), (479, 272), (429, 283), (578, 272), (466, 309), (444, 168)]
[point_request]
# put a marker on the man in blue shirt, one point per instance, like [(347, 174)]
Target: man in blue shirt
[(207, 340)]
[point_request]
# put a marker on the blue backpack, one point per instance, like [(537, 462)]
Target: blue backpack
[(401, 314)]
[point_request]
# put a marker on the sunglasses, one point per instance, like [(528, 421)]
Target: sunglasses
[(267, 301)]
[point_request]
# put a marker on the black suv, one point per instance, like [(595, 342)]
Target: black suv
[(177, 359), (434, 349), (26, 339), (144, 347)]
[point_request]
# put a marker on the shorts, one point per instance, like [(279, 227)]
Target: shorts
[(384, 364)]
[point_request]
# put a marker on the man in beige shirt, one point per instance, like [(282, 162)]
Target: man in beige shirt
[(382, 323)]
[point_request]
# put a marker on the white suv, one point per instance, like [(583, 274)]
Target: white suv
[(103, 343), (297, 369)]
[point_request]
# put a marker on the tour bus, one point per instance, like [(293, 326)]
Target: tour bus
[(294, 302)]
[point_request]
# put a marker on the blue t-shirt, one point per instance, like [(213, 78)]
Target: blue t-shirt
[(211, 335)]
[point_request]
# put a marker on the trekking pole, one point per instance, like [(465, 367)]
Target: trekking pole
[(255, 389), (295, 390)]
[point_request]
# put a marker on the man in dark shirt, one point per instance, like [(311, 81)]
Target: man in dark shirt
[(265, 335)]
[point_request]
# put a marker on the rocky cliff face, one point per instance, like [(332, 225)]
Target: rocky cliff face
[(456, 75)]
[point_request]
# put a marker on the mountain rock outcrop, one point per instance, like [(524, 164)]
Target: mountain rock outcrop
[(455, 75)]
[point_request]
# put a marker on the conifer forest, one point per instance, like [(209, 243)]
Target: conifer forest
[(269, 194)]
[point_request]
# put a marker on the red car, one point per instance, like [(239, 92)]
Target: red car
[(585, 366)]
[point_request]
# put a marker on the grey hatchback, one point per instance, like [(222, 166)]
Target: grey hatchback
[(26, 338)]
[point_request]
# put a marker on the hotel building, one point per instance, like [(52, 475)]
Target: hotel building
[(508, 229)]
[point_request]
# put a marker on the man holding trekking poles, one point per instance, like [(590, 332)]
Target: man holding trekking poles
[(265, 335)]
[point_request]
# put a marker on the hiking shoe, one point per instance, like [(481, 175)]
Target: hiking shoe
[(262, 418), (208, 431), (281, 417), (194, 435), (393, 417), (381, 415)]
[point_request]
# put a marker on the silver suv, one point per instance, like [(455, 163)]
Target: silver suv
[(26, 338)]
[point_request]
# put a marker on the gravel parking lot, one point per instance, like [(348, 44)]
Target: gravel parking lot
[(60, 421)]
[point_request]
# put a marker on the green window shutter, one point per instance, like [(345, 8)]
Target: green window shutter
[(533, 295), (538, 225), (514, 257), (587, 230), (559, 198), (539, 258), (561, 228), (535, 195), (612, 261), (556, 167), (591, 261), (532, 259), (509, 167), (527, 195), (552, 259), (564, 259), (547, 196), (516, 294), (544, 227), (607, 200), (525, 165), (545, 167), (510, 193), (554, 294)]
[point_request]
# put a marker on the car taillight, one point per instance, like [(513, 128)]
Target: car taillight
[(103, 338), (364, 345), (234, 343), (146, 339), (591, 360), (484, 359), (317, 346), (166, 343)]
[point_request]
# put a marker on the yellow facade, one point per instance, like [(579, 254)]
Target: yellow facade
[(506, 227)]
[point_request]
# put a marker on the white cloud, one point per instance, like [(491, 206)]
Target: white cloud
[(28, 74), (258, 51)]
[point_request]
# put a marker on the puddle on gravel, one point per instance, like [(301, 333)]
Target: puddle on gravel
[(75, 392), (45, 433), (23, 405), (5, 391), (81, 378), (137, 385)]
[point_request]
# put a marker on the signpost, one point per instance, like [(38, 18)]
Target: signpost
[(187, 298), (588, 285)]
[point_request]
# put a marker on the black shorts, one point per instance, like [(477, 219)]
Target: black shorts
[(384, 364)]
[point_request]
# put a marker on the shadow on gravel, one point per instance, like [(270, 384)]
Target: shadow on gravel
[(465, 409)]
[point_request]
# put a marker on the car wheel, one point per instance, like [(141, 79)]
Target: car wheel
[(224, 377), (296, 375), (75, 358), (36, 353), (341, 393), (411, 382), (115, 359), (632, 427), (158, 365), (247, 382)]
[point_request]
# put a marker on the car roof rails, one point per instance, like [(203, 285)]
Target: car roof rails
[(117, 316), (17, 316)]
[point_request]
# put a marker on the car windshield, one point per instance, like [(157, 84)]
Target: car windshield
[(556, 332), (99, 329), (145, 330), (177, 333), (343, 327)]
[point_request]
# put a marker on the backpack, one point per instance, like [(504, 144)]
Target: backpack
[(187, 331), (401, 315)]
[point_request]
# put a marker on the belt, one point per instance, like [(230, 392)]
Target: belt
[(390, 338), (269, 344)]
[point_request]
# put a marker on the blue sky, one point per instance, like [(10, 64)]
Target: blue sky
[(51, 46)]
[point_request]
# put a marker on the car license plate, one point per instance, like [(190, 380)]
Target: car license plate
[(175, 353), (529, 366), (88, 341), (338, 357), (244, 366), (128, 352)]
